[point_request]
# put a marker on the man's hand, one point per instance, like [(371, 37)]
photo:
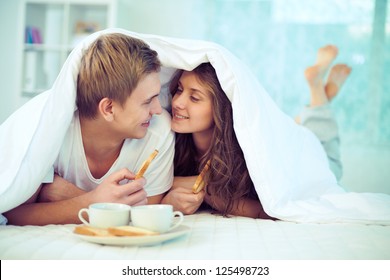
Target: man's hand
[(121, 187), (118, 187)]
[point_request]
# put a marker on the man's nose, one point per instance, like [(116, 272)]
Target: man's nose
[(156, 108)]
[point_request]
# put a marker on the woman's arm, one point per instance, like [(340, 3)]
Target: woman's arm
[(245, 207)]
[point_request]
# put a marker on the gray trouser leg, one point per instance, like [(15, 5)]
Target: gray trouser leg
[(321, 122)]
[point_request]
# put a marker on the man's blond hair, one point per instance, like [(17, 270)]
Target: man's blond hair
[(112, 67)]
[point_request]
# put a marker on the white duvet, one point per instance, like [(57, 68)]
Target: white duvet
[(286, 162)]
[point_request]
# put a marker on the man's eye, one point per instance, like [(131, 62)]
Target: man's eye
[(149, 101)]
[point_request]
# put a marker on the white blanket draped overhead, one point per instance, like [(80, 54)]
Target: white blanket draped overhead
[(286, 162)]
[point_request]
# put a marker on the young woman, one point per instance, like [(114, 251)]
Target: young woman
[(203, 122)]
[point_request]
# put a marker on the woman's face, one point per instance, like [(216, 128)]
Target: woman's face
[(191, 106)]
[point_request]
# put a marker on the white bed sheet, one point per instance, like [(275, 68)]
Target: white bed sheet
[(211, 237)]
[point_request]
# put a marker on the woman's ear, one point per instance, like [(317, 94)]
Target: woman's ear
[(106, 110)]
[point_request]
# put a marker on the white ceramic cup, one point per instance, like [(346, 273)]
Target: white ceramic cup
[(103, 215), (156, 217)]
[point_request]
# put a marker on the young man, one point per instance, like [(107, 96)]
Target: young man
[(113, 131)]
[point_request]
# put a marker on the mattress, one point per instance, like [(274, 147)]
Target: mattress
[(209, 236)]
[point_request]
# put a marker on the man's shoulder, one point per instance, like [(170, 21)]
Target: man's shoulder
[(161, 124)]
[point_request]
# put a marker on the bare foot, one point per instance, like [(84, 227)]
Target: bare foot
[(337, 76), (326, 55), (314, 78), (315, 74)]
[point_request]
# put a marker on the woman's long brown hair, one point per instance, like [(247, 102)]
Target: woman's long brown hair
[(228, 177)]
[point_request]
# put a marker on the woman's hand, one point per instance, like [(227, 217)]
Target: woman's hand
[(181, 196)]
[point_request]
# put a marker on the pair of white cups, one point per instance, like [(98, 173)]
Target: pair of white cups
[(156, 217)]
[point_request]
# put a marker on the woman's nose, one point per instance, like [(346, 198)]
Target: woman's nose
[(178, 101)]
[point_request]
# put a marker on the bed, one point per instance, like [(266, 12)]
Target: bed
[(210, 236)]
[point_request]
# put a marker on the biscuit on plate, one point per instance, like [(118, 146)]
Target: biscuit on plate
[(130, 231), (92, 231)]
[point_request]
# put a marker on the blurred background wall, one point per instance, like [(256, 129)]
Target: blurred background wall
[(277, 39)]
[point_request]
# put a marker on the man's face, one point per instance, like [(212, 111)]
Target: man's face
[(133, 118)]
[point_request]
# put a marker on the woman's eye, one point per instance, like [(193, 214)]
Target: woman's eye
[(179, 90), (195, 99)]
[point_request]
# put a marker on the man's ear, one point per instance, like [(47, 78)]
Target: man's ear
[(106, 110)]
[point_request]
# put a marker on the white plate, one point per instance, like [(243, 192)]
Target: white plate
[(136, 240)]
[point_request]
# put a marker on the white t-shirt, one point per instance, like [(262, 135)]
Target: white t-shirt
[(71, 163)]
